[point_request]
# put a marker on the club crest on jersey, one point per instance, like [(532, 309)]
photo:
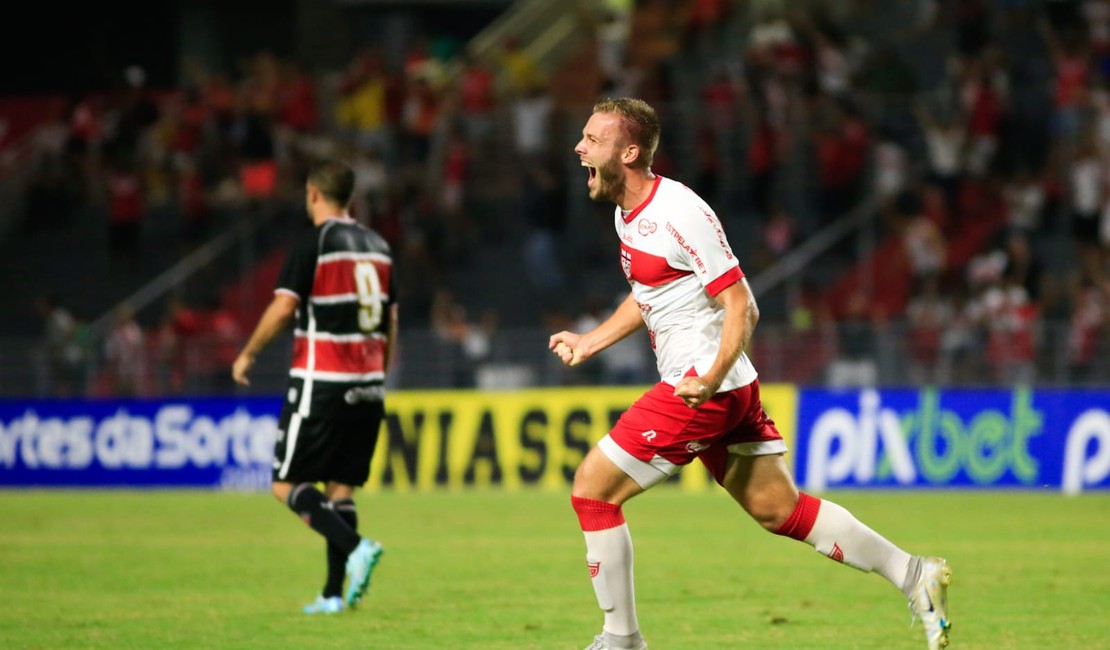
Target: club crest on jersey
[(595, 568), (626, 263), (646, 227)]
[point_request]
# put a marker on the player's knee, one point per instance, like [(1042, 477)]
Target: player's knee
[(280, 491), (585, 485), (586, 479), (770, 509)]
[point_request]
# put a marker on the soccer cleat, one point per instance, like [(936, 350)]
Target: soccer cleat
[(929, 601), (601, 644), (331, 605), (360, 564)]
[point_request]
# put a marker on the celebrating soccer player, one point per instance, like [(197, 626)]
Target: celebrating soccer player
[(687, 287)]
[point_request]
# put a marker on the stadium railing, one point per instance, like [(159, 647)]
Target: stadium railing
[(830, 355)]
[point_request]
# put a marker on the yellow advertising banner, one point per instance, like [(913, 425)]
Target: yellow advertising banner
[(511, 439)]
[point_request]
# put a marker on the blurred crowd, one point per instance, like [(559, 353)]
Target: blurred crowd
[(991, 178), (785, 116)]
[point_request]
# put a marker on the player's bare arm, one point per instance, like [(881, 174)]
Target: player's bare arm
[(741, 316), (278, 315), (572, 349)]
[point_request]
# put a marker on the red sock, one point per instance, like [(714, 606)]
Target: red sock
[(800, 523), (596, 515)]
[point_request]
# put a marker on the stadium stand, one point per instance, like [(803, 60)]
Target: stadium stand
[(822, 122)]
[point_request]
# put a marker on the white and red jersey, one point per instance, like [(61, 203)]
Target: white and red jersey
[(676, 257)]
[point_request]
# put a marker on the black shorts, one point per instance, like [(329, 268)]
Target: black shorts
[(319, 450)]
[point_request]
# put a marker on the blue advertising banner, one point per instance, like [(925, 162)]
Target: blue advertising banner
[(1057, 439), (219, 443), (1052, 439)]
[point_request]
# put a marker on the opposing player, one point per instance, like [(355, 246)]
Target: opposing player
[(688, 288), (337, 285)]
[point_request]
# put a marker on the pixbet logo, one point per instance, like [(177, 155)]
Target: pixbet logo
[(929, 445), (1081, 469)]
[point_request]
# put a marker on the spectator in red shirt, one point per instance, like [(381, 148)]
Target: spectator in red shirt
[(297, 101), (840, 148), (1072, 68), (193, 202), (476, 100), (762, 161), (126, 209), (983, 105), (177, 345)]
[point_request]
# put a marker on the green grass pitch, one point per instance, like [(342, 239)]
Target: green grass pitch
[(506, 570)]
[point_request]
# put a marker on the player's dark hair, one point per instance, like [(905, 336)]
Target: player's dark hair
[(334, 179), (640, 123)]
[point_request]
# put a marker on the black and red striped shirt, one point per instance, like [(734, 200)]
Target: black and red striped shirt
[(342, 275)]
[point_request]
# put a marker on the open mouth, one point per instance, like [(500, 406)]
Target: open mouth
[(592, 173)]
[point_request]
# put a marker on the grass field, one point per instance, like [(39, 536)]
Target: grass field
[(491, 570)]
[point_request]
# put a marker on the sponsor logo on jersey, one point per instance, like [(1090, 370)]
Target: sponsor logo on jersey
[(696, 446), (649, 435), (690, 250), (716, 223), (646, 227), (364, 394)]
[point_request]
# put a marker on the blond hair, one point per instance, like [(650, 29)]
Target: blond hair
[(640, 123)]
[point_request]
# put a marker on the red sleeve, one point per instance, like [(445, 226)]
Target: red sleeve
[(724, 281)]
